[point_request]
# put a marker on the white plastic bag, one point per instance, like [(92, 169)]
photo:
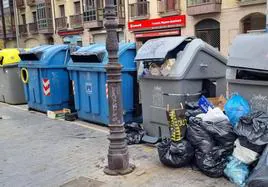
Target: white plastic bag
[(244, 154), (214, 115)]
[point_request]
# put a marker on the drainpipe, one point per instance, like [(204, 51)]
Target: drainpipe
[(16, 23), (3, 23), (266, 15), (53, 17)]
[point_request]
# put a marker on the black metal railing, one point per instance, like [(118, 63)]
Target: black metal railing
[(61, 23), (23, 29), (76, 21), (33, 29)]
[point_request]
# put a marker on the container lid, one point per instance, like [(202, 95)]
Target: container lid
[(43, 55), (191, 59), (96, 55), (157, 49), (9, 56), (249, 51)]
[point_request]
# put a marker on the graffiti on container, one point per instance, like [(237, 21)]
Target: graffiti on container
[(115, 105), (259, 102), (157, 96)]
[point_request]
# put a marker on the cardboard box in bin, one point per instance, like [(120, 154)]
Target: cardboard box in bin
[(58, 114), (218, 101)]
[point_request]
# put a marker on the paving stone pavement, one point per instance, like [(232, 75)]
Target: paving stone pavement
[(37, 151)]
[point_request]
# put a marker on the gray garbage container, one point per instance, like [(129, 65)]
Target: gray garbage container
[(247, 69), (174, 70), (11, 86)]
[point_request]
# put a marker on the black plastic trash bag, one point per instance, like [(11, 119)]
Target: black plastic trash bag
[(212, 163), (254, 127), (134, 133), (259, 176), (222, 132), (191, 105), (198, 136), (175, 154), (192, 110)]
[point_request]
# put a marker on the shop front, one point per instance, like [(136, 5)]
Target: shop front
[(72, 37), (155, 28)]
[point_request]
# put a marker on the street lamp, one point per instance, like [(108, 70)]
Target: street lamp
[(118, 156)]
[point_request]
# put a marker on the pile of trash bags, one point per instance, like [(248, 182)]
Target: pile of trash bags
[(229, 142)]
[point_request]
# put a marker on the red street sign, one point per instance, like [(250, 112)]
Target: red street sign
[(166, 22), (157, 34)]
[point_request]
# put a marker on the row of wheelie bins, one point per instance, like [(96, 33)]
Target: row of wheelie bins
[(171, 71), (54, 78)]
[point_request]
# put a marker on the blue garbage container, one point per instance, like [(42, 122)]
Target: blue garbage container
[(88, 75), (47, 85)]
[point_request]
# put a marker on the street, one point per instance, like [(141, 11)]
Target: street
[(37, 151)]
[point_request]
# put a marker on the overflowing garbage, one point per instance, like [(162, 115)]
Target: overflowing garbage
[(221, 141), (134, 133)]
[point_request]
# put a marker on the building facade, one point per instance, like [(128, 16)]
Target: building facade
[(7, 20), (81, 21), (215, 21)]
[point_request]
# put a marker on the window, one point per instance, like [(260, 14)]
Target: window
[(77, 9), (93, 10), (90, 4), (62, 11), (44, 15), (199, 2), (41, 10), (23, 19), (209, 31), (170, 4), (142, 8), (34, 17)]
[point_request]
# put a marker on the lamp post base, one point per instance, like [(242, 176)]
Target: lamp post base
[(119, 172)]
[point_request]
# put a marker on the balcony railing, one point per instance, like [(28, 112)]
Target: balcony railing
[(45, 26), (168, 7), (10, 34), (23, 30), (20, 4), (93, 18), (139, 10), (31, 2), (33, 29), (251, 2), (197, 7), (76, 21), (61, 23)]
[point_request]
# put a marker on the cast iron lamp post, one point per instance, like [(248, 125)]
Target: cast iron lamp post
[(118, 156)]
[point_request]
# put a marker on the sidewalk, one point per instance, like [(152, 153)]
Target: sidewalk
[(37, 151)]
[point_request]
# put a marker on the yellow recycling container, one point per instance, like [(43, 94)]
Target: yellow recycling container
[(11, 86), (9, 56)]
